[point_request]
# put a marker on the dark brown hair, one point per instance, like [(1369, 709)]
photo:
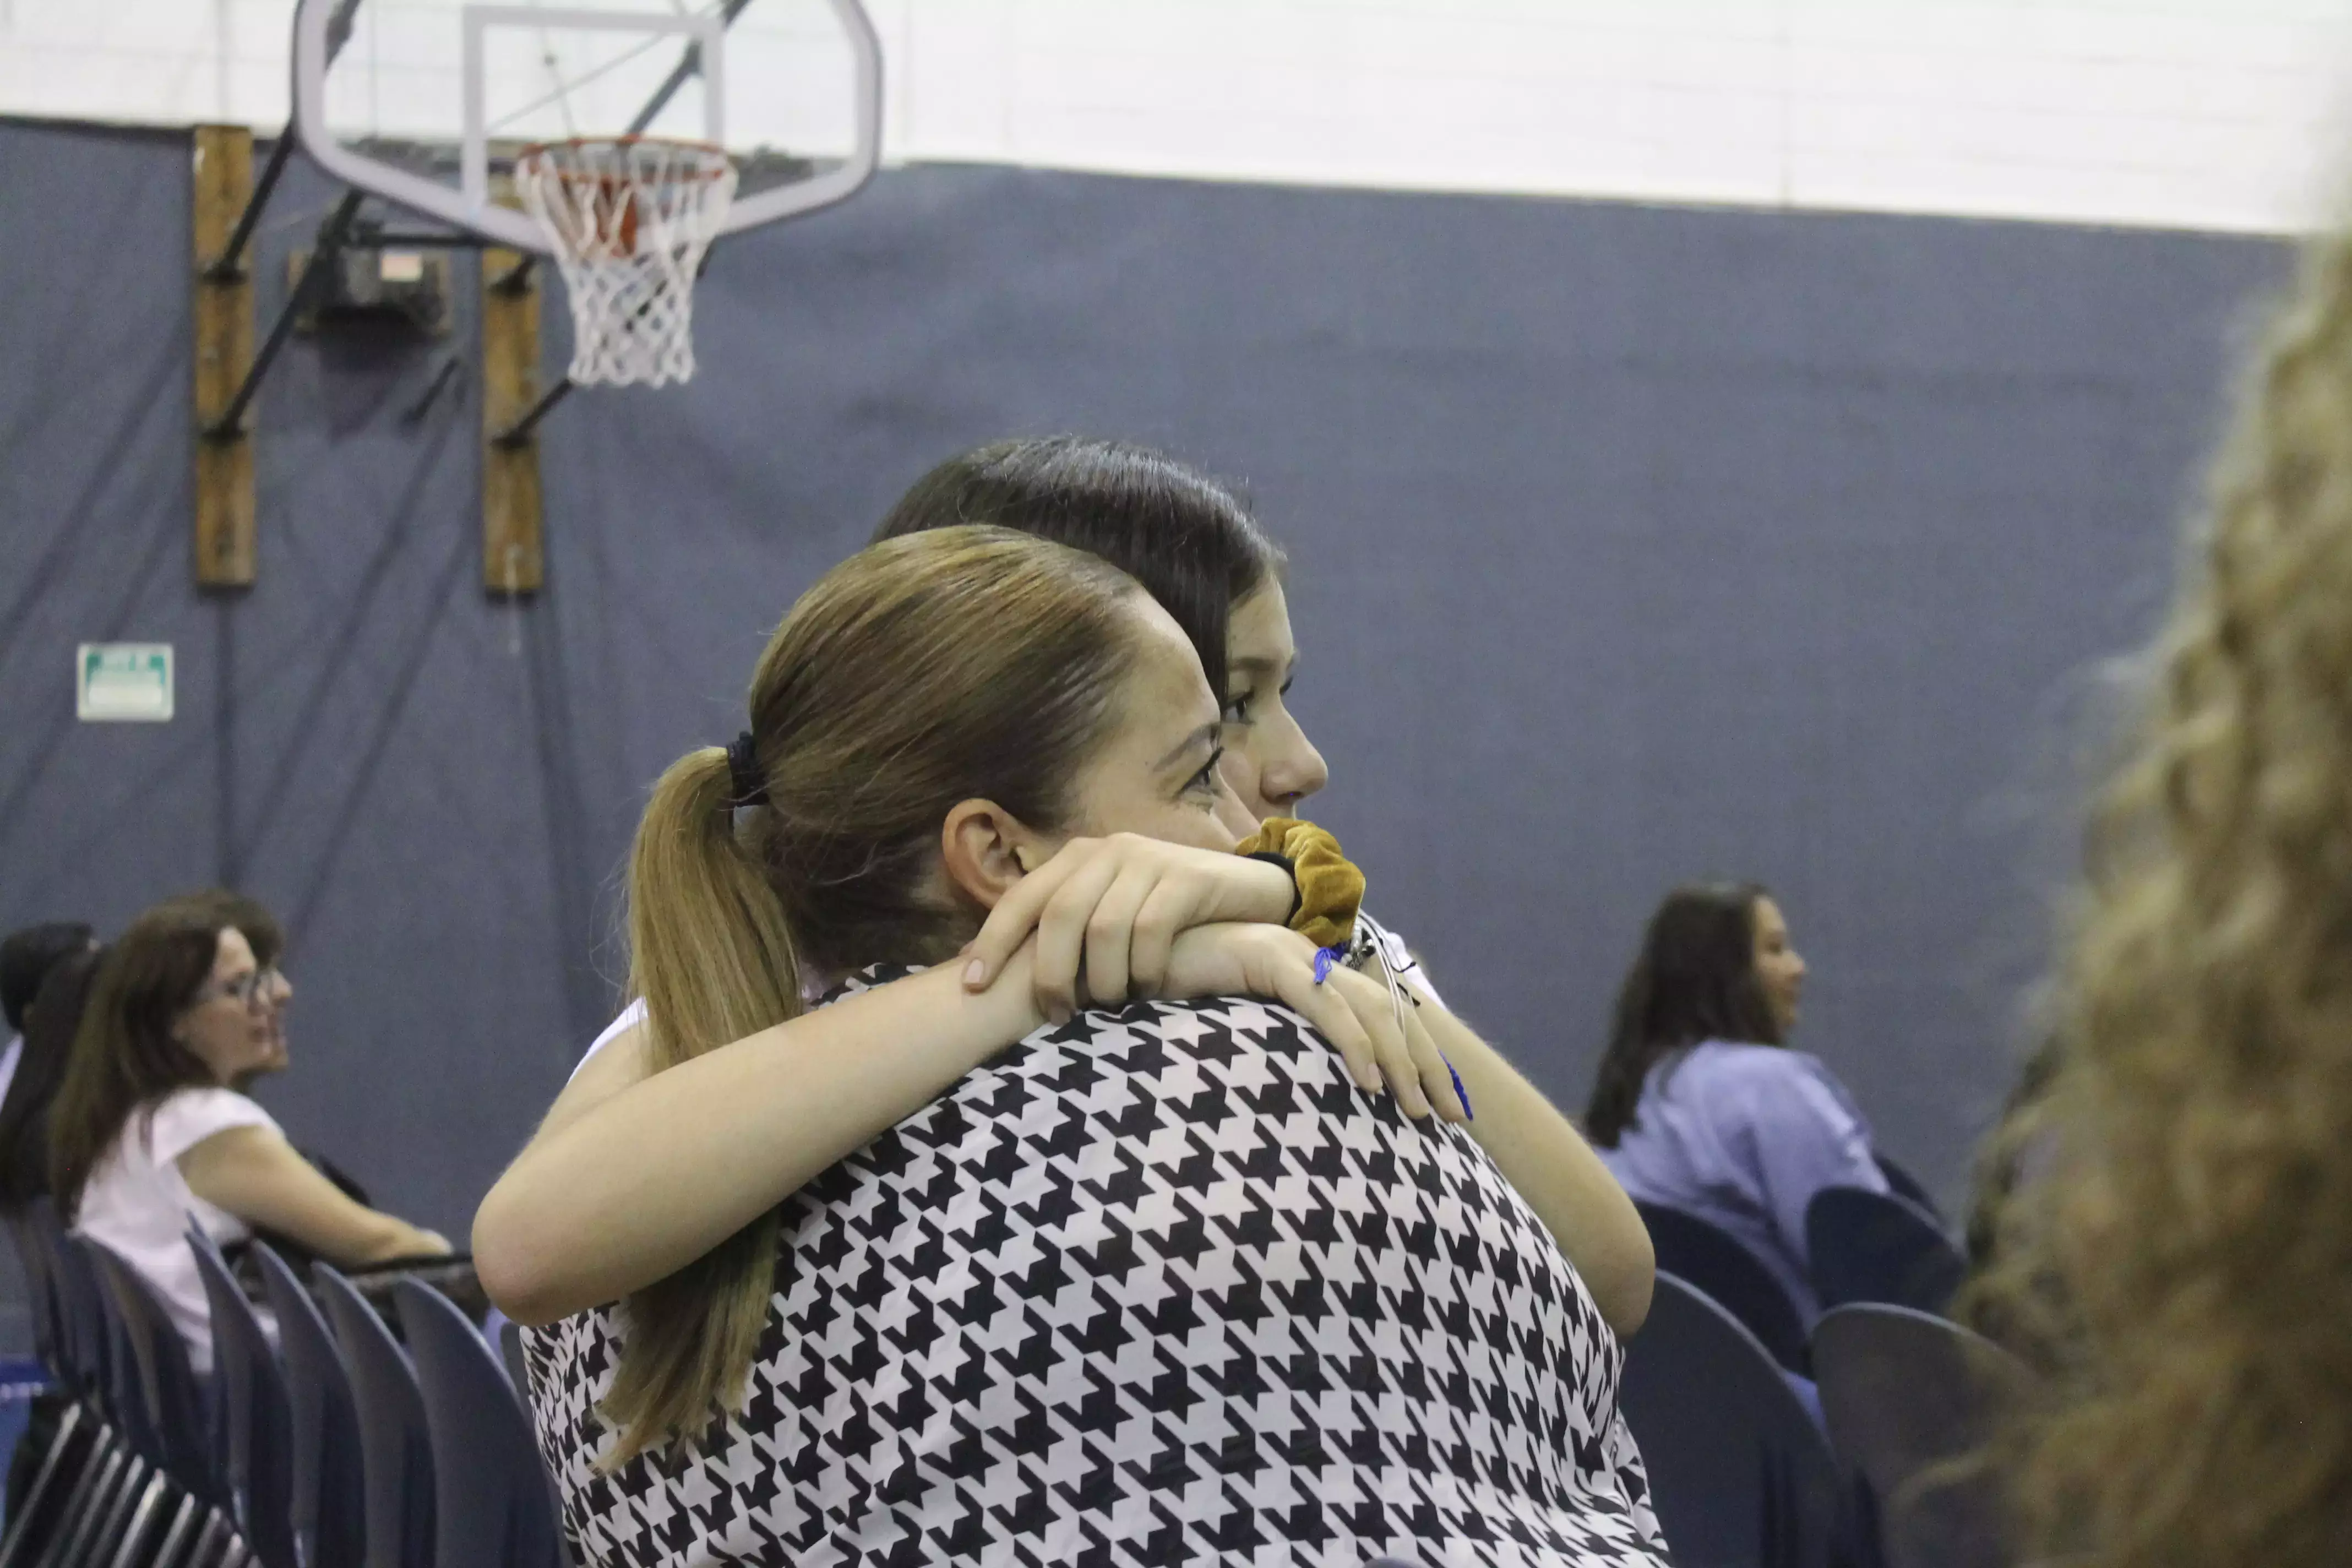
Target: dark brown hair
[(24, 959), (1185, 537), (50, 1025), (952, 664), (1694, 980), (123, 1058)]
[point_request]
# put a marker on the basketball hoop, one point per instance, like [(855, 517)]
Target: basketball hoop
[(629, 218)]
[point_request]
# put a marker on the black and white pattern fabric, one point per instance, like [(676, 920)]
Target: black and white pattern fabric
[(1156, 1286)]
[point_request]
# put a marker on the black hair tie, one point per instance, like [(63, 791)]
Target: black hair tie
[(748, 785)]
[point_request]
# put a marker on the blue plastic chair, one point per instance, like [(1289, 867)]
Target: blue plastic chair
[(1912, 1402), (1740, 1476), (88, 1338), (328, 1509), (251, 1387), (113, 1477), (178, 1415), (62, 1483), (493, 1497), (395, 1445), (1908, 1188), (172, 1431), (1721, 1267), (1871, 1246)]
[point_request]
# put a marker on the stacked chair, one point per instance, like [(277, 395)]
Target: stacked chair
[(1890, 1468), (1912, 1404), (129, 1477), (1881, 1247), (330, 1449), (1719, 1267), (1740, 1475)]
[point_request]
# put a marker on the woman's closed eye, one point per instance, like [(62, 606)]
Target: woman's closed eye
[(1205, 783)]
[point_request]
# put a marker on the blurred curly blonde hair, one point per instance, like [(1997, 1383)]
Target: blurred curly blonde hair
[(2196, 1238)]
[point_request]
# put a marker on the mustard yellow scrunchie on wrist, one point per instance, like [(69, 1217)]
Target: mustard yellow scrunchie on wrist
[(1331, 888)]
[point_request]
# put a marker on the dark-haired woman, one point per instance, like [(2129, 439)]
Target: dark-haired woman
[(50, 1024), (559, 1232), (149, 1133), (1155, 1283), (1700, 1103)]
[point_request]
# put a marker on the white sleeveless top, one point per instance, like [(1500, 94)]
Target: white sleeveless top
[(138, 1203)]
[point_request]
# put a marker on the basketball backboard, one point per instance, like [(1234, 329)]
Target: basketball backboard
[(427, 103)]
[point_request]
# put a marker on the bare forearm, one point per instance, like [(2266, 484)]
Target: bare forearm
[(253, 1172), (631, 1189), (1549, 1161)]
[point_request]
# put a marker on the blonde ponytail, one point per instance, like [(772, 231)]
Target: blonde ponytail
[(954, 664), (712, 955)]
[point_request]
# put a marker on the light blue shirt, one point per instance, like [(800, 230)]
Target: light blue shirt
[(1743, 1136)]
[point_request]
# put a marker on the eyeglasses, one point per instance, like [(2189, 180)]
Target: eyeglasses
[(251, 993)]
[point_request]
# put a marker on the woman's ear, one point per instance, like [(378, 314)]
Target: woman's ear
[(986, 851)]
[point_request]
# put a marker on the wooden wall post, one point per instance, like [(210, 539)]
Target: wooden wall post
[(512, 562), (222, 174)]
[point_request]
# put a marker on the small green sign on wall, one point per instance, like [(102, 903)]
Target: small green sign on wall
[(116, 681)]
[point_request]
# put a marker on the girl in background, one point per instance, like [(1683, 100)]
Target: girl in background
[(149, 1134), (1700, 1105)]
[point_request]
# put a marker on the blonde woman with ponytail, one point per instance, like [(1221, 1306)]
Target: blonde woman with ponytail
[(1155, 1283)]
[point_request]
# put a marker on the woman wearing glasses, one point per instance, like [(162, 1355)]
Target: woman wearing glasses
[(150, 1135)]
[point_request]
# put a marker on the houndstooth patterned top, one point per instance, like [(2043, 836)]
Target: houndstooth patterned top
[(1156, 1286)]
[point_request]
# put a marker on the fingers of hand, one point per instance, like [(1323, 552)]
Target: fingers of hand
[(1173, 907), (1436, 1073), (1335, 1019), (1014, 917), (1110, 933), (1062, 934), (1370, 999)]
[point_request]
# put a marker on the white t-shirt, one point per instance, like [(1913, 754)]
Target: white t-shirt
[(138, 1203), (9, 1057)]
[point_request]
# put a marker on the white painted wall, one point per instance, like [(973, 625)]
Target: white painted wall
[(2224, 114)]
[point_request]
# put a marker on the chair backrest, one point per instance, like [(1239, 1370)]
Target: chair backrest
[(1910, 1401), (395, 1445), (495, 1501), (40, 1285), (251, 1387), (178, 1425), (1740, 1476), (85, 1325), (1908, 1188), (329, 1485), (1719, 1265), (1871, 1246)]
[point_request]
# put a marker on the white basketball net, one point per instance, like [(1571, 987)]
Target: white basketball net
[(630, 218)]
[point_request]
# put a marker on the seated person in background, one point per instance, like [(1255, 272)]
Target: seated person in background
[(50, 1024), (25, 959), (54, 1016), (147, 1136), (1700, 1105)]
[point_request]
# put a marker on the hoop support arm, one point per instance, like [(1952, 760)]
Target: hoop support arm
[(516, 433), (331, 240)]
